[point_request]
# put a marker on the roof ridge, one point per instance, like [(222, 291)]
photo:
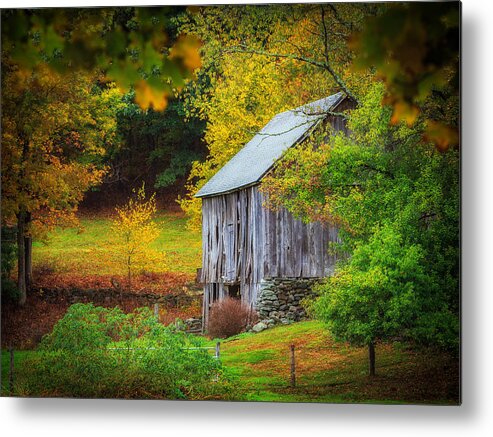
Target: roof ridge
[(299, 108)]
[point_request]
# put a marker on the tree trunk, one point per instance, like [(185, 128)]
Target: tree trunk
[(28, 251), (21, 257), (129, 274), (371, 357)]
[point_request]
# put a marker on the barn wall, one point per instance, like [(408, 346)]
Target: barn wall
[(339, 123), (293, 249), (231, 244), (244, 242)]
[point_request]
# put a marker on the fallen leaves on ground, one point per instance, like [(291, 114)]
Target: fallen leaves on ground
[(51, 295)]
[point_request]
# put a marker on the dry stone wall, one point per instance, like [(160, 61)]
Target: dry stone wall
[(279, 300)]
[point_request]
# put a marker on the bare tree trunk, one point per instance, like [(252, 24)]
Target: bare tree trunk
[(21, 258), (371, 357), (129, 274), (28, 251)]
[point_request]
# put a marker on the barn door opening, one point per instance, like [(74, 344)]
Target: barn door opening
[(233, 290)]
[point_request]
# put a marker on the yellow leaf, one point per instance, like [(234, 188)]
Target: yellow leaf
[(404, 112), (187, 48), (146, 96)]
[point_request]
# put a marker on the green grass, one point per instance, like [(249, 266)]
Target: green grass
[(327, 371), (70, 251), (19, 357)]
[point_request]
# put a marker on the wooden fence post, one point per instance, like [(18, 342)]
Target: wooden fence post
[(293, 367), (218, 349), (156, 310), (11, 371)]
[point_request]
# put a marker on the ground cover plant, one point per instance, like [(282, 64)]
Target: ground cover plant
[(96, 352)]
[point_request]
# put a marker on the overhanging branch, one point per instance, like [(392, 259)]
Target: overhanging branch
[(324, 65)]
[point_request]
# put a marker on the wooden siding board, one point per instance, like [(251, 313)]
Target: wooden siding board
[(297, 249), (288, 243), (243, 240)]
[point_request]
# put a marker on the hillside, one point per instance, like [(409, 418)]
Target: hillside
[(327, 371)]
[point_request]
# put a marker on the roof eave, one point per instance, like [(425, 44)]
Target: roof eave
[(232, 190)]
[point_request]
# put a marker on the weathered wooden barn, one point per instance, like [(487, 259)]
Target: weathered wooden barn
[(243, 242)]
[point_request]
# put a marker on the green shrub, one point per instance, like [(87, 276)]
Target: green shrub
[(95, 352)]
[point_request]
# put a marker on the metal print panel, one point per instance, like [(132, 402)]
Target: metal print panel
[(234, 203)]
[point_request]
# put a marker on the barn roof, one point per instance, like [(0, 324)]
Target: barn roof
[(256, 158)]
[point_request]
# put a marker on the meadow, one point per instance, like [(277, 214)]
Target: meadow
[(84, 251)]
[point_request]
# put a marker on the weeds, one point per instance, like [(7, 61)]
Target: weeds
[(95, 352)]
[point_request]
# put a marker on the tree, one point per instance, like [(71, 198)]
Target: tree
[(257, 62), (157, 147), (395, 201), (54, 131), (132, 233), (374, 296), (245, 98), (128, 46)]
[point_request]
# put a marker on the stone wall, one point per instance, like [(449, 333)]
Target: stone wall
[(108, 296), (279, 299), (193, 325)]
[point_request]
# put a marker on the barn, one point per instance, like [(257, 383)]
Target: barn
[(248, 249)]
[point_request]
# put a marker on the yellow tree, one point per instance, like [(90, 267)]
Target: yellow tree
[(245, 97), (132, 233), (53, 136)]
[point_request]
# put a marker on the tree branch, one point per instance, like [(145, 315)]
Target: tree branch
[(338, 17), (324, 65)]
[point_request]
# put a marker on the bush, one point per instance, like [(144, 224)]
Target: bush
[(229, 317), (95, 352)]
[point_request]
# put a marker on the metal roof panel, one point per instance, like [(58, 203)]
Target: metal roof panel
[(256, 158)]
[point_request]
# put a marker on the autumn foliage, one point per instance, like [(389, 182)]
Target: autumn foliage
[(132, 234)]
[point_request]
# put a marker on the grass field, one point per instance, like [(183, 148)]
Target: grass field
[(325, 371), (69, 251)]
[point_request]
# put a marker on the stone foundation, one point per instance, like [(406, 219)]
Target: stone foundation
[(279, 299)]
